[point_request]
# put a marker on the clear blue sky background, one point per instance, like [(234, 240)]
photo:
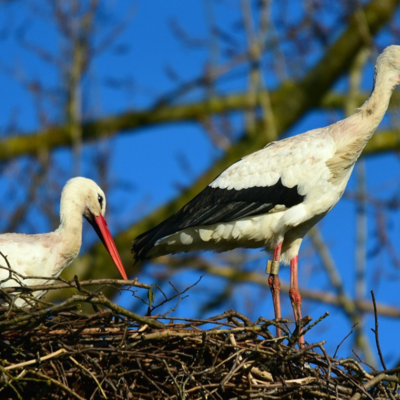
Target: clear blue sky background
[(145, 167)]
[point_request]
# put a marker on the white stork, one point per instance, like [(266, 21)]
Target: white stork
[(271, 198), (48, 254)]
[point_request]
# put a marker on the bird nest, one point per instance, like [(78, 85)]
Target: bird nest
[(59, 351)]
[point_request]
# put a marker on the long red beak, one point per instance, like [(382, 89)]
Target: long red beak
[(100, 226)]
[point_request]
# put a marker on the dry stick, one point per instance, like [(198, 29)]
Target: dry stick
[(321, 318), (158, 335), (303, 351), (182, 395), (237, 365), (8, 268), (373, 382), (96, 299), (92, 375), (10, 277), (306, 329), (36, 360), (18, 320), (168, 299), (166, 333), (388, 371), (343, 340), (73, 284), (376, 331), (322, 348), (9, 382), (354, 383), (160, 390), (101, 299), (57, 383), (277, 323), (87, 331), (350, 361), (190, 322)]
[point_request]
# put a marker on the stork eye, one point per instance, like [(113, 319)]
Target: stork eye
[(100, 199)]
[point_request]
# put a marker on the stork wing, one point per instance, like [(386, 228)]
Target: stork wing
[(216, 205), (273, 176)]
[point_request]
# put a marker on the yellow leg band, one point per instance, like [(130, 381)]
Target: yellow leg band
[(272, 267)]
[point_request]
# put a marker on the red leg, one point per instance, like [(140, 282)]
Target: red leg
[(294, 293), (275, 286), (277, 252)]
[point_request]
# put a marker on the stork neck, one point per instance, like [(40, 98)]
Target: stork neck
[(376, 105), (353, 133), (71, 224), (70, 228)]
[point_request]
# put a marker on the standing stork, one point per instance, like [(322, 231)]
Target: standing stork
[(48, 254), (271, 198)]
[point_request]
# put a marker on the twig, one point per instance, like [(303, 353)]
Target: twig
[(57, 383), (169, 333), (299, 353), (373, 382), (178, 294), (182, 394), (36, 360), (21, 319), (327, 358), (376, 331), (97, 298), (151, 380), (343, 340), (87, 371), (359, 368), (297, 333), (73, 284), (87, 331), (101, 299)]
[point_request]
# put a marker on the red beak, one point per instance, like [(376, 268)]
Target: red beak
[(100, 226)]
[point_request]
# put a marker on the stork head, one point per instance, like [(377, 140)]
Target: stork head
[(85, 196)]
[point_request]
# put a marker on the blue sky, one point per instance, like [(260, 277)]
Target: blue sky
[(145, 167)]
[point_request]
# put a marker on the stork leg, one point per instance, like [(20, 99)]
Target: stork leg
[(295, 296), (275, 286)]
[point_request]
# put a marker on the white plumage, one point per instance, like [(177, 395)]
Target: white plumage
[(290, 160), (47, 255), (271, 198)]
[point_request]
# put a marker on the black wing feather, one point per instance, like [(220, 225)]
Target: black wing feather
[(216, 205)]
